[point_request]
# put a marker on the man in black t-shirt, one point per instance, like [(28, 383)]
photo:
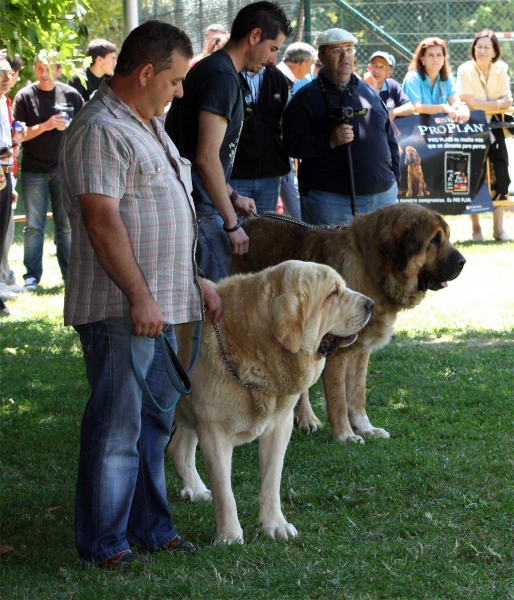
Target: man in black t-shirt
[(46, 108), (206, 123), (103, 61)]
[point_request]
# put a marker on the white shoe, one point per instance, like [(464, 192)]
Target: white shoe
[(14, 287), (478, 237), (5, 292), (30, 284), (503, 237)]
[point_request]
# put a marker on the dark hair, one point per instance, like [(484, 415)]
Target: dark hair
[(153, 43), (488, 33), (269, 17), (16, 63), (416, 63), (99, 47)]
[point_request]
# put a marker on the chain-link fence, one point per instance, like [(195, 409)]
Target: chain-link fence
[(395, 26)]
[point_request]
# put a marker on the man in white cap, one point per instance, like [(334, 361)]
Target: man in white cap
[(379, 76), (315, 132)]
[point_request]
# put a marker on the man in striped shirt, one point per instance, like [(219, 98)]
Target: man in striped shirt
[(132, 271)]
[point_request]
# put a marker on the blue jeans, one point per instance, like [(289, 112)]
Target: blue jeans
[(213, 248), (327, 208), (263, 191), (289, 193), (121, 489), (37, 189)]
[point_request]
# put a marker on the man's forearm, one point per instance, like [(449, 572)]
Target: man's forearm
[(34, 131), (213, 179)]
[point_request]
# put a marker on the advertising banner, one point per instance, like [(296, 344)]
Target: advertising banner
[(442, 162)]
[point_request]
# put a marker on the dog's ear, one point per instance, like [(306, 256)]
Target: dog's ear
[(401, 248), (287, 322)]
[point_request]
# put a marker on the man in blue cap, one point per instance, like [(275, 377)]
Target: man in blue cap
[(379, 76)]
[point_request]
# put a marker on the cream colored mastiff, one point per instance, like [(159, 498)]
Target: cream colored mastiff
[(277, 328)]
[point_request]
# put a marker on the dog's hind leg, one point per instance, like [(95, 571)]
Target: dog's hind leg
[(304, 418), (182, 451), (217, 451), (356, 396), (272, 449), (334, 383)]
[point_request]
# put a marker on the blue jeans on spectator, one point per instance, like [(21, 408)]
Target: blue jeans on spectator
[(327, 208), (121, 488), (37, 189), (289, 193), (263, 191), (213, 246)]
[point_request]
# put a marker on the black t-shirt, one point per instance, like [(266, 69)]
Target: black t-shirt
[(92, 83), (33, 106), (212, 85)]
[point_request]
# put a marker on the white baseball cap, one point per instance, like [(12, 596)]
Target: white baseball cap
[(334, 36)]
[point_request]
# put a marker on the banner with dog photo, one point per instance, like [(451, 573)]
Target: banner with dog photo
[(442, 162)]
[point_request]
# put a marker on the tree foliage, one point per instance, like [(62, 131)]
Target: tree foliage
[(28, 26)]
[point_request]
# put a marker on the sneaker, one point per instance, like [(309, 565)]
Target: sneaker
[(177, 544), (503, 237), (4, 312), (14, 287), (5, 292), (31, 284), (478, 237), (123, 560)]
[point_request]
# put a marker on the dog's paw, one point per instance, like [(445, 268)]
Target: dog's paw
[(229, 539), (279, 531), (374, 432), (187, 493), (307, 425), (349, 438)]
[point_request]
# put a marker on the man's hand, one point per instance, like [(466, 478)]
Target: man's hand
[(244, 207), (3, 180), (239, 241), (14, 198), (342, 134), (147, 317), (370, 78), (213, 304), (56, 122)]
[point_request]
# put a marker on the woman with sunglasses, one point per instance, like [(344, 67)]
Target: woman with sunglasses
[(483, 83)]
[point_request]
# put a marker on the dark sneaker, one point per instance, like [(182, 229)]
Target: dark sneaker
[(123, 559), (31, 284), (177, 544)]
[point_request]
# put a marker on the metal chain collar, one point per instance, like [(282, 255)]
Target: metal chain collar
[(230, 368), (302, 224)]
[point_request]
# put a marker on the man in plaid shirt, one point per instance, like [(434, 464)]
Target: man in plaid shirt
[(132, 271)]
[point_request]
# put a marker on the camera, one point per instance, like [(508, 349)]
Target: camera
[(344, 114)]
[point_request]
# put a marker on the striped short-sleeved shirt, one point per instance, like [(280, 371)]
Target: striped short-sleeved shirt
[(109, 150)]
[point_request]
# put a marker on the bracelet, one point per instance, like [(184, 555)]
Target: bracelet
[(233, 196), (231, 229)]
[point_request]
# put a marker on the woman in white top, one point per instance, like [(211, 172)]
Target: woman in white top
[(483, 83)]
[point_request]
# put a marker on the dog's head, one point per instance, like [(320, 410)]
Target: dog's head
[(412, 156), (312, 309), (418, 252)]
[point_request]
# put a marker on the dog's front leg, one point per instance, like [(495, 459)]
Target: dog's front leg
[(217, 455), (304, 417), (357, 370), (334, 384), (182, 451), (272, 449)]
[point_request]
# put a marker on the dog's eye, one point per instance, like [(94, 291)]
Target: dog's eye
[(437, 239), (333, 293)]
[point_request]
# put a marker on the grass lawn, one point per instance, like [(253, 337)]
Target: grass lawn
[(427, 514)]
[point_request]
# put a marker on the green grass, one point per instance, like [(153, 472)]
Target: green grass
[(428, 514)]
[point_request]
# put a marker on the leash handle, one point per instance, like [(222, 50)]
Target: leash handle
[(174, 368)]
